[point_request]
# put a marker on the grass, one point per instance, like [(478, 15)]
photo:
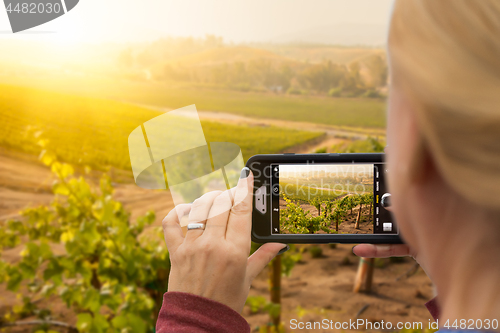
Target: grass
[(305, 194), (320, 110), (91, 131), (341, 112)]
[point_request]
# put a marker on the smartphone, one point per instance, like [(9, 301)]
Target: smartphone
[(321, 198)]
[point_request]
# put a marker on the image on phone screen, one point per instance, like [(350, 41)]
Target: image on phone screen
[(317, 198)]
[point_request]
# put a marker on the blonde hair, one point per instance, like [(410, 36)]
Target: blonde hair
[(446, 57)]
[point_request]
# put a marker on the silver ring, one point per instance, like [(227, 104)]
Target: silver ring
[(192, 226)]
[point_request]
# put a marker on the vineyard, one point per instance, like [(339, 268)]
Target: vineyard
[(359, 113), (83, 255), (81, 247), (82, 251), (94, 132), (329, 216)]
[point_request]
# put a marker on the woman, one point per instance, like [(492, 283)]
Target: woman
[(443, 158)]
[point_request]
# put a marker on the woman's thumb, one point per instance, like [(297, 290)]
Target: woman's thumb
[(260, 258)]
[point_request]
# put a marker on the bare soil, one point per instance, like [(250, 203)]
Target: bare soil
[(332, 134), (317, 288), (321, 288)]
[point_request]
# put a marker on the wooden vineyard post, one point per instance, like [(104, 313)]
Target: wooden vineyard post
[(275, 287), (359, 215), (364, 276)]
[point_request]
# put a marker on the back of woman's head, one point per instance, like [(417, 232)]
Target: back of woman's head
[(445, 55)]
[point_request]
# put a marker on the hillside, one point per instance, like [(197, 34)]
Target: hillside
[(317, 53), (94, 132), (227, 54)]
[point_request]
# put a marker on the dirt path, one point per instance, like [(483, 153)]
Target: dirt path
[(25, 182), (333, 135)]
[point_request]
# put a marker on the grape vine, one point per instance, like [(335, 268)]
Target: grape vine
[(107, 274), (296, 220)]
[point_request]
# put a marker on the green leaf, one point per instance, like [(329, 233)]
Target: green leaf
[(43, 143), (256, 303), (61, 189), (84, 322), (45, 251), (273, 309), (120, 322), (15, 226), (62, 170), (14, 278), (47, 157), (67, 236), (91, 300), (53, 272), (100, 323), (136, 323)]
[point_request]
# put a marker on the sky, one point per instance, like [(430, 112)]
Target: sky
[(96, 21)]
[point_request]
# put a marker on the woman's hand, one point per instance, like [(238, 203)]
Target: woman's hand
[(383, 251), (214, 262)]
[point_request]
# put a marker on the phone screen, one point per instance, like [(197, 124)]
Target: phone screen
[(321, 198)]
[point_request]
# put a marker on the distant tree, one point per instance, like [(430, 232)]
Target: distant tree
[(352, 83), (322, 77), (212, 41), (220, 73), (286, 75), (145, 58), (377, 66)]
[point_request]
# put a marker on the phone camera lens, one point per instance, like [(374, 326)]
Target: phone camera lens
[(386, 200)]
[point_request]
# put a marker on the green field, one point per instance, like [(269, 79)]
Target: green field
[(320, 110), (91, 131), (305, 193), (341, 112)]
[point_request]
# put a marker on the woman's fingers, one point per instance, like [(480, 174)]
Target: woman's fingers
[(260, 258), (218, 215), (171, 226), (382, 251), (239, 224), (199, 213)]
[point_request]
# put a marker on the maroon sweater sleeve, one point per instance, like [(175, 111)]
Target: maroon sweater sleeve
[(188, 313), (433, 308)]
